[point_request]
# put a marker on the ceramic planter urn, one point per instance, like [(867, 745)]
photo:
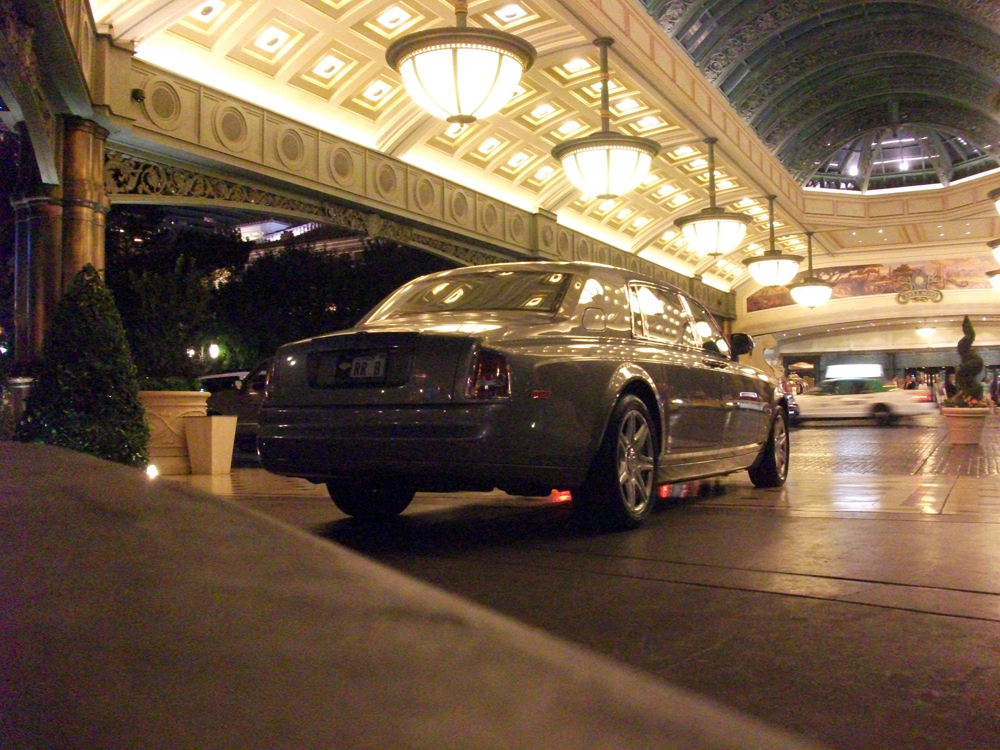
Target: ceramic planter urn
[(165, 413), (965, 425), (210, 443)]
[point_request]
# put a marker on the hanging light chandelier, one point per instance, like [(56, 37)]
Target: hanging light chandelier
[(460, 74), (994, 276), (606, 164), (994, 195), (772, 268), (811, 291), (713, 230)]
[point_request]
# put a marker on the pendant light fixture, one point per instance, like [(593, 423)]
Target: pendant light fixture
[(460, 74), (994, 277), (772, 268), (994, 195), (811, 291), (713, 230), (606, 164), (995, 247)]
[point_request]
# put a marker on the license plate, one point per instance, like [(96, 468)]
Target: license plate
[(366, 368)]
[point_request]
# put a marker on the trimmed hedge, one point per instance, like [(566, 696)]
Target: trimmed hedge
[(86, 393)]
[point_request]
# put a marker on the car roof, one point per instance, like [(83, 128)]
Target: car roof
[(576, 266)]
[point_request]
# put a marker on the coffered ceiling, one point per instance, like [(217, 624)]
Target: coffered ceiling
[(807, 75)]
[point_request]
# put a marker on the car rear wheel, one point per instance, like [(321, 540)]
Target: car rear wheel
[(771, 467), (374, 501), (618, 493), (883, 415)]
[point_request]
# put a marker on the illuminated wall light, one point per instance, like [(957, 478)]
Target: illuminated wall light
[(699, 163), (377, 91), (544, 173), (612, 87), (511, 13), (207, 11), (328, 67), (271, 39), (725, 184), (542, 110), (666, 190), (627, 105), (488, 146), (683, 151), (569, 127), (576, 66), (519, 160), (393, 18), (649, 122)]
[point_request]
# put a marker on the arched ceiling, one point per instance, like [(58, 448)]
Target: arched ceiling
[(811, 76)]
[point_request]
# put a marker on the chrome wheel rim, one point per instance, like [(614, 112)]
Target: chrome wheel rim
[(780, 446), (636, 462)]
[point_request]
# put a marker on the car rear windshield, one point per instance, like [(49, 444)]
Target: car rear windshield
[(536, 291)]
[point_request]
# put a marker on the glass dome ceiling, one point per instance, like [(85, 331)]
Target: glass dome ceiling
[(900, 157)]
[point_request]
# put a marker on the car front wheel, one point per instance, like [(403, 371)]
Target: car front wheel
[(618, 493), (883, 415), (372, 501), (771, 467)]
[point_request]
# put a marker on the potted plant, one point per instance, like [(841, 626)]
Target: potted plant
[(85, 393), (966, 411), (162, 315)]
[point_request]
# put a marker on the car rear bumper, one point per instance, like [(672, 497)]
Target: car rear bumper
[(472, 447)]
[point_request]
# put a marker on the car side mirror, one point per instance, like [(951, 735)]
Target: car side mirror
[(741, 343)]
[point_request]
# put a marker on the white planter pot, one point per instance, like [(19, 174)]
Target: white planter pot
[(965, 426), (210, 443), (165, 413)]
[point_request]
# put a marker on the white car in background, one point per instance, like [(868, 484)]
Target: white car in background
[(862, 398)]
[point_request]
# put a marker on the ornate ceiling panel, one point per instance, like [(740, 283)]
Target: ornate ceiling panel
[(814, 78)]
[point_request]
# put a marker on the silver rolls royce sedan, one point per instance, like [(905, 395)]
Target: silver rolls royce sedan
[(526, 377)]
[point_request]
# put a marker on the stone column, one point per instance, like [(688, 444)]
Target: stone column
[(84, 200), (37, 271)]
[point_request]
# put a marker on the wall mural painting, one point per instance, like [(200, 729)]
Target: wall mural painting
[(925, 282)]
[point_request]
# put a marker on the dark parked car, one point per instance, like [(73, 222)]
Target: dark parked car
[(242, 399), (524, 377)]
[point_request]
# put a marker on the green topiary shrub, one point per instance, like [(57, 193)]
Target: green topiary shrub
[(86, 394), (969, 390)]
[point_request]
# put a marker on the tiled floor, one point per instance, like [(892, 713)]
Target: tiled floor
[(837, 467)]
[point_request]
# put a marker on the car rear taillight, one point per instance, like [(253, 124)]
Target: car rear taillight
[(489, 376)]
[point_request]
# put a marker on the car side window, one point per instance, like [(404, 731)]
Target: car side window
[(705, 331), (658, 314)]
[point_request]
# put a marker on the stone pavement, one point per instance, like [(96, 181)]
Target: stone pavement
[(142, 613)]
